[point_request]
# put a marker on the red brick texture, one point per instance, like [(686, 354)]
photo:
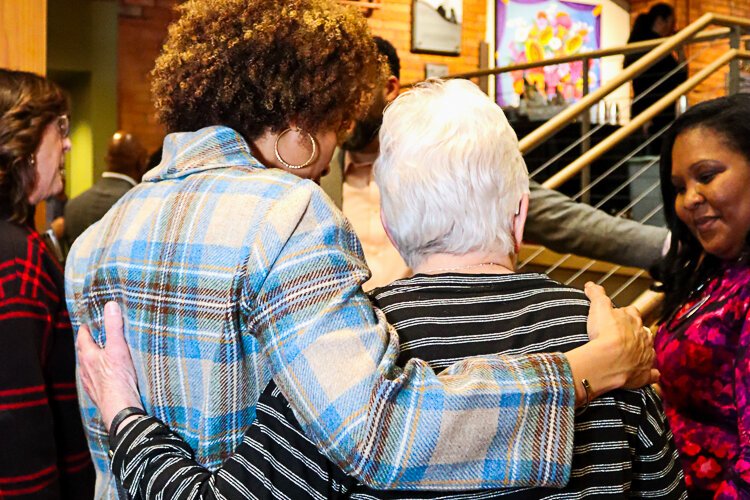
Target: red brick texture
[(143, 27)]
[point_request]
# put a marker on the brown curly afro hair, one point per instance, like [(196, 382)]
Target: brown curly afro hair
[(257, 65)]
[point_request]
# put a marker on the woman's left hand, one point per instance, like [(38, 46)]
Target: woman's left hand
[(108, 374)]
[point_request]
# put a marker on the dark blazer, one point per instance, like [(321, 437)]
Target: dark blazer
[(564, 225), (91, 205)]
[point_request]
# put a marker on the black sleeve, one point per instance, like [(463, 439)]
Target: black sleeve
[(657, 471), (274, 460), (566, 226)]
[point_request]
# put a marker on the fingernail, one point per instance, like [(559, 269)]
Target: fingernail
[(111, 309)]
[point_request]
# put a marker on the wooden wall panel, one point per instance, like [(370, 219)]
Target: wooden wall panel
[(23, 35)]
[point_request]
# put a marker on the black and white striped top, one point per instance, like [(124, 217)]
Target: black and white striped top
[(623, 445)]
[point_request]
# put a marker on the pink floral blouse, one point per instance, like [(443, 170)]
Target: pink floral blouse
[(705, 375)]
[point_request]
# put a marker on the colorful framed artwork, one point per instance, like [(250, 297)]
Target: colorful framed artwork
[(533, 30)]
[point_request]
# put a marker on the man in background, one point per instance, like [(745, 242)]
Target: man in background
[(555, 220), (126, 163), (351, 185)]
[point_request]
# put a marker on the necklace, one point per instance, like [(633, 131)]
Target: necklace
[(468, 266), (675, 322)]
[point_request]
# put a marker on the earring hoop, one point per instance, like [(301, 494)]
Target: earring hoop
[(289, 165)]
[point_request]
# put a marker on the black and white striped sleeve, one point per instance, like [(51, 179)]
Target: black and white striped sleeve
[(657, 472), (274, 461)]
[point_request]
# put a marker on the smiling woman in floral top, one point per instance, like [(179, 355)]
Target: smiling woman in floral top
[(702, 346)]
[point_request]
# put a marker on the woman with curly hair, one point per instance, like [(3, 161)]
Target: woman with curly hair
[(44, 453), (233, 268)]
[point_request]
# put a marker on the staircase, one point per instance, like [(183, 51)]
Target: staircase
[(614, 167)]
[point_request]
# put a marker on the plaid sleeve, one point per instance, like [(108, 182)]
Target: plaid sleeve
[(483, 423), (94, 430)]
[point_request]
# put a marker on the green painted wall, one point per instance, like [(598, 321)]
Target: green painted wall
[(82, 57)]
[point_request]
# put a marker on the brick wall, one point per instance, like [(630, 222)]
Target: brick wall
[(142, 29), (143, 26), (688, 11), (393, 22)]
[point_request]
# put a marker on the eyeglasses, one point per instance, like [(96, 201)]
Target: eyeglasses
[(63, 124)]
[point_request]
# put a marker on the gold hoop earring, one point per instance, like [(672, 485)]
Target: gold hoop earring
[(289, 165)]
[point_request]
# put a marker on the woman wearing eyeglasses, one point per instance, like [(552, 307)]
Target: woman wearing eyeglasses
[(43, 452)]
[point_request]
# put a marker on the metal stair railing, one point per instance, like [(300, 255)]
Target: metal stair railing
[(631, 48), (638, 121), (733, 29), (650, 301), (540, 134), (584, 140)]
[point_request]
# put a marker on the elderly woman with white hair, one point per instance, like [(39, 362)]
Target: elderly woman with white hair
[(454, 200), (454, 203)]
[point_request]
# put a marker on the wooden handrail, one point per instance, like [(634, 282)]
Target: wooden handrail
[(730, 21), (631, 48), (648, 303), (637, 122), (363, 4)]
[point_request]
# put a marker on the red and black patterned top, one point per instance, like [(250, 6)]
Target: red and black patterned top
[(705, 374), (43, 451)]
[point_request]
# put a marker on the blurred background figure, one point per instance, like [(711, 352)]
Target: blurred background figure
[(55, 209), (43, 452), (55, 222), (154, 159), (351, 182), (555, 220), (665, 74), (126, 161)]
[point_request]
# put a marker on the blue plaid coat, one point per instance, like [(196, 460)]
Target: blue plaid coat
[(230, 274)]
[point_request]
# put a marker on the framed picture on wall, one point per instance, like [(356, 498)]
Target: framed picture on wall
[(436, 26), (534, 30)]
